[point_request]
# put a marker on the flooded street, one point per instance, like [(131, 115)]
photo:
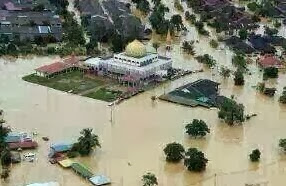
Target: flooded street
[(132, 144)]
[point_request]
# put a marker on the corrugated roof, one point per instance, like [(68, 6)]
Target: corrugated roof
[(61, 147), (66, 163), (82, 170), (23, 145), (99, 180), (270, 61)]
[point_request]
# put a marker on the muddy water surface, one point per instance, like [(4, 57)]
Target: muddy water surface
[(132, 144)]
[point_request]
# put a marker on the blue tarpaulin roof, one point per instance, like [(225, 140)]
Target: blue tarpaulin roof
[(61, 147)]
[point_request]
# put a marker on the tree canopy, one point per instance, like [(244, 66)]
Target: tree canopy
[(174, 152), (238, 78), (195, 160), (231, 112), (255, 155), (282, 98), (86, 142), (197, 128), (149, 179), (207, 60), (188, 47), (282, 144), (270, 72)]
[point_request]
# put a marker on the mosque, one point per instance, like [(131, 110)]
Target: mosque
[(133, 65)]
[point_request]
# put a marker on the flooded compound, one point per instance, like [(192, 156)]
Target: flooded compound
[(134, 133)]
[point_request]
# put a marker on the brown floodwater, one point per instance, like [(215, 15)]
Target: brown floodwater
[(132, 144)]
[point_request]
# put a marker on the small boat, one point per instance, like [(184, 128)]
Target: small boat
[(111, 104)]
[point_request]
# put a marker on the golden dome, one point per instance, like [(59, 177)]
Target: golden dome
[(135, 49)]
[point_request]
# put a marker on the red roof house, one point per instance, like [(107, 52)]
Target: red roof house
[(23, 145), (270, 61)]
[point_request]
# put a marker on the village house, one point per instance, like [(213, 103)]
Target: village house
[(269, 60), (30, 24)]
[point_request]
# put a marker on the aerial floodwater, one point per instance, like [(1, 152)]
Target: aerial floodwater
[(134, 133)]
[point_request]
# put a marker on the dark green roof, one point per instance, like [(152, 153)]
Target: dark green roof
[(82, 170)]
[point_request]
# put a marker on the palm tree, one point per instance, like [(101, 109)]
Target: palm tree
[(86, 142)]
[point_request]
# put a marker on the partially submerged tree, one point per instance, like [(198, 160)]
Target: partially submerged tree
[(201, 29), (282, 98), (231, 112), (243, 33), (195, 160), (270, 72), (149, 179), (225, 72), (282, 144), (188, 47), (213, 43), (207, 60), (197, 128), (177, 22), (86, 142), (191, 18), (238, 78), (239, 61), (255, 155), (156, 46), (174, 152)]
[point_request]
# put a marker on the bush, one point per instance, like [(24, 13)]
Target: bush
[(255, 155), (195, 160), (174, 152), (270, 72), (197, 128), (72, 154), (213, 43)]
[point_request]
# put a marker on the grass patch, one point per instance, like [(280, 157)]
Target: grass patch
[(104, 95), (74, 81)]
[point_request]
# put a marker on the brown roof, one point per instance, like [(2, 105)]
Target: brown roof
[(270, 61), (52, 68), (23, 145), (73, 60)]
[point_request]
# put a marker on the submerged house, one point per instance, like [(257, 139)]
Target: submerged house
[(202, 92)]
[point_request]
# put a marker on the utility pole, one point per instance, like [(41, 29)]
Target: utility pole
[(215, 179)]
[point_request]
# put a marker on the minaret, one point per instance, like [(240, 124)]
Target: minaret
[(168, 41)]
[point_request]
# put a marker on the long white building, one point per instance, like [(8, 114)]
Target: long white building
[(135, 62)]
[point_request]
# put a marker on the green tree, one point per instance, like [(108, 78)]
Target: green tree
[(143, 6), (231, 112), (197, 128), (149, 179), (270, 31), (253, 6), (213, 43), (174, 152), (156, 2), (188, 47), (270, 72), (177, 21), (243, 33), (190, 17), (225, 72), (207, 60), (200, 27), (238, 78), (86, 142), (195, 160), (156, 46), (239, 61), (282, 144), (282, 98), (255, 155)]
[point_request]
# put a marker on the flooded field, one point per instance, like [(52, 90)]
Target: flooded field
[(133, 142)]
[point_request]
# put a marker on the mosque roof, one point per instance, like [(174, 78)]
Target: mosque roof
[(135, 49)]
